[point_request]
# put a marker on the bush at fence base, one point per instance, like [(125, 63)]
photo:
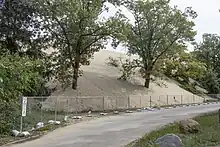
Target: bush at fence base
[(9, 117)]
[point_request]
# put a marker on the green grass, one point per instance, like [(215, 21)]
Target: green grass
[(208, 136)]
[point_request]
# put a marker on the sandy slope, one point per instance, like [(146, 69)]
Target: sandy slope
[(100, 79)]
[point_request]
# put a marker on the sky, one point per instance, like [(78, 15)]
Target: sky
[(208, 20)]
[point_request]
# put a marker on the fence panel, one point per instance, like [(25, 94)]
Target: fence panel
[(43, 109)]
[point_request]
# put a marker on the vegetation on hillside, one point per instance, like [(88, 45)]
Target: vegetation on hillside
[(75, 30)]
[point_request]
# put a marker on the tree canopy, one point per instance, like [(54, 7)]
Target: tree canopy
[(77, 32), (158, 29)]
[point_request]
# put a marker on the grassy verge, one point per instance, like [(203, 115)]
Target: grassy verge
[(208, 136)]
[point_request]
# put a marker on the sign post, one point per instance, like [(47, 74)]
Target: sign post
[(23, 110)]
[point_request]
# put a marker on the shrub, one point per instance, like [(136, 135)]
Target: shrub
[(18, 76)]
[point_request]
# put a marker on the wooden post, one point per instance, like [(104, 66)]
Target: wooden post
[(150, 102)]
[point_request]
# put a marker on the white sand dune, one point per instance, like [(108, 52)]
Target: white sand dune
[(100, 80)]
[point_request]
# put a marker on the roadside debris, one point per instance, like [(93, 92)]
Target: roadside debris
[(116, 112), (39, 125), (15, 133), (149, 109), (129, 111), (77, 117), (52, 122), (103, 114)]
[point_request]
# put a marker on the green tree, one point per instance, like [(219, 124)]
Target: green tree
[(208, 51), (77, 32), (158, 28), (211, 82), (18, 76), (184, 65), (20, 29)]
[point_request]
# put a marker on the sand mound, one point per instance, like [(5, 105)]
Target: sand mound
[(100, 80)]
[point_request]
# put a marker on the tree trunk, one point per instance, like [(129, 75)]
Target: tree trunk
[(147, 79), (75, 75), (148, 70)]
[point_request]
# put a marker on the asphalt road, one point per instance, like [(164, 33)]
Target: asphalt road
[(115, 131)]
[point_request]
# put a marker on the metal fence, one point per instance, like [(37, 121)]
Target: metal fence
[(43, 109)]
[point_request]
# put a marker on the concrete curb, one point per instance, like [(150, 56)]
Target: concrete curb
[(24, 140)]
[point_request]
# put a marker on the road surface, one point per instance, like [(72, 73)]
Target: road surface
[(115, 131)]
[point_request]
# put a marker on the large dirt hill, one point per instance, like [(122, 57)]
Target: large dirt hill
[(100, 80)]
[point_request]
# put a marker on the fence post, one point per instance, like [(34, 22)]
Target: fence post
[(56, 109), (159, 101), (128, 102), (76, 105), (181, 99), (167, 100), (219, 115), (103, 103), (193, 99), (140, 102), (116, 103), (150, 102), (41, 113), (67, 113)]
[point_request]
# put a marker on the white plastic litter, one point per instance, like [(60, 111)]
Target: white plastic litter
[(51, 122), (39, 125), (15, 133), (57, 122), (77, 117), (103, 114), (139, 110), (25, 134), (149, 109), (65, 118), (116, 112), (128, 111)]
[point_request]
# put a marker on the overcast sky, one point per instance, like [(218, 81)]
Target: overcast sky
[(208, 20)]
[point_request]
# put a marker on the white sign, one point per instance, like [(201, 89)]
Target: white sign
[(24, 106)]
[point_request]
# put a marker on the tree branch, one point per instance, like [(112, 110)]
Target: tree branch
[(90, 44), (159, 39), (165, 50)]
